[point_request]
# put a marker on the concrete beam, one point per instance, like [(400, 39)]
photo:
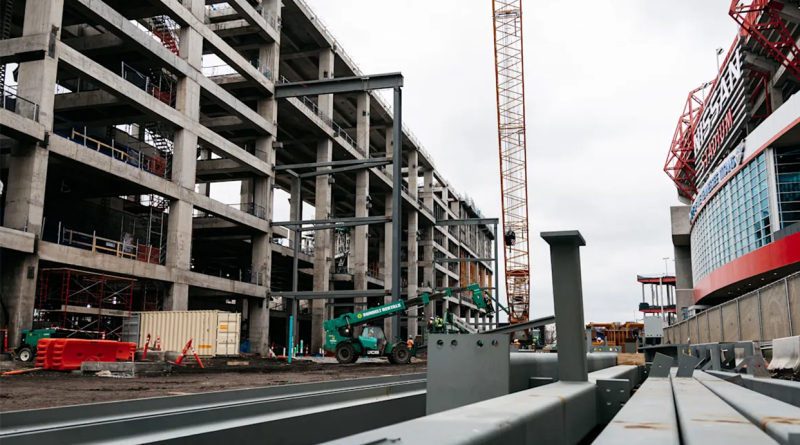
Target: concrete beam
[(161, 186), (87, 99), (20, 128), (131, 34), (266, 31), (24, 49), (150, 105), (17, 240), (139, 269), (230, 56)]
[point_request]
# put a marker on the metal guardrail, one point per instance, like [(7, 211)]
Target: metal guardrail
[(19, 105), (152, 164)]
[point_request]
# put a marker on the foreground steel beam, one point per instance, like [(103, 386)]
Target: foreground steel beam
[(558, 413), (283, 414), (704, 418), (779, 420), (783, 390), (648, 418), (333, 163), (339, 85)]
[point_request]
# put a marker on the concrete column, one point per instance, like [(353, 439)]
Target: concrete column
[(263, 188), (323, 209), (565, 262), (25, 191), (184, 163), (413, 227), (681, 241), (360, 233)]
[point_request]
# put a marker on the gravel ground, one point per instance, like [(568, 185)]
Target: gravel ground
[(44, 389)]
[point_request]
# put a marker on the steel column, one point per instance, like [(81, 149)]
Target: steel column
[(397, 210), (565, 261), (760, 320), (298, 238), (497, 274)]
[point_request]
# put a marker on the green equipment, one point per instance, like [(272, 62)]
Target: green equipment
[(30, 338), (27, 347), (350, 335)]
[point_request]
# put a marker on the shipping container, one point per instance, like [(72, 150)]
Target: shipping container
[(213, 333)]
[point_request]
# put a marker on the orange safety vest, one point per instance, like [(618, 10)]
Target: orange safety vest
[(410, 343)]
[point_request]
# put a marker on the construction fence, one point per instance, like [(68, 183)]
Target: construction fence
[(764, 314)]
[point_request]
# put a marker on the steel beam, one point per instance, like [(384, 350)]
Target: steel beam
[(325, 224), (294, 309), (565, 262), (779, 420), (467, 222), (460, 260), (523, 326), (339, 85), (333, 163), (648, 417), (783, 390), (322, 295), (704, 418), (334, 171), (559, 413), (229, 416)]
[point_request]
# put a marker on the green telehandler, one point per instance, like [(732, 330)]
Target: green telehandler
[(352, 335)]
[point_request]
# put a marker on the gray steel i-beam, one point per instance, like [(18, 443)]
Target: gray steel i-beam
[(565, 262), (461, 260), (294, 311), (467, 222), (344, 163), (334, 171), (340, 85), (397, 209), (323, 295)]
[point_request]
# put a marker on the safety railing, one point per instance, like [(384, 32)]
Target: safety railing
[(163, 93), (98, 244), (337, 130), (235, 274), (251, 208), (268, 17), (306, 246), (151, 164), (19, 105), (227, 70)]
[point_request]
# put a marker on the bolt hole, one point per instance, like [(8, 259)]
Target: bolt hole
[(622, 390), (453, 343), (480, 343), (608, 389), (608, 403), (440, 342), (494, 343)]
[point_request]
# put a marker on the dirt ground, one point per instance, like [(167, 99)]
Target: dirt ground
[(45, 389)]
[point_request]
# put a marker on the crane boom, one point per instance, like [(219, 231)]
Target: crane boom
[(509, 74)]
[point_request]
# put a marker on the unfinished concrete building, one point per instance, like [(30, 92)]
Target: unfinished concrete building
[(120, 118)]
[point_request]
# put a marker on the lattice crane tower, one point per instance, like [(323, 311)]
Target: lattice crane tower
[(509, 74)]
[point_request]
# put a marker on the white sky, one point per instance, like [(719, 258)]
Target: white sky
[(605, 84)]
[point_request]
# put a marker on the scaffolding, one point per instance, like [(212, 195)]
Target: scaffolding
[(87, 301)]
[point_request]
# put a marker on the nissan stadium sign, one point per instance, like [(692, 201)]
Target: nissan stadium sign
[(726, 167), (724, 115)]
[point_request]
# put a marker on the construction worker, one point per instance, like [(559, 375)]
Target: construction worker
[(430, 324), (410, 342), (439, 324)]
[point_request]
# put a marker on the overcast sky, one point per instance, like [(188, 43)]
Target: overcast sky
[(605, 84)]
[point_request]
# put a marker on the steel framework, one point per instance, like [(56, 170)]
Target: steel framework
[(762, 21), (680, 164), (509, 74)]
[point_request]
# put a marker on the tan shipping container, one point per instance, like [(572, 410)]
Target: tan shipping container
[(212, 332)]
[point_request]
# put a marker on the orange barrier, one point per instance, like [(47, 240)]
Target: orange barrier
[(67, 354)]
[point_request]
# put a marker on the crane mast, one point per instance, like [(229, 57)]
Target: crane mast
[(509, 71)]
